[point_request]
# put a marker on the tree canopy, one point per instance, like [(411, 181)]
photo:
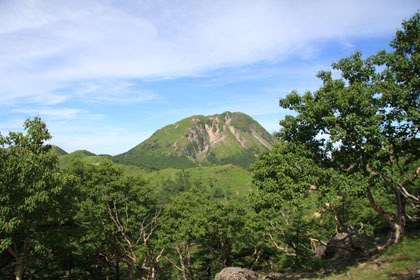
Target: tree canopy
[(34, 195), (367, 122)]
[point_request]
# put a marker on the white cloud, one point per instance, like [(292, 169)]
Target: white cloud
[(51, 114), (111, 91), (15, 124), (45, 44)]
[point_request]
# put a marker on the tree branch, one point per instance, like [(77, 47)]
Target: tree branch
[(280, 248), (378, 209)]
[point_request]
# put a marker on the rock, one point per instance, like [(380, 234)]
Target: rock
[(348, 244), (236, 273), (320, 251), (340, 245)]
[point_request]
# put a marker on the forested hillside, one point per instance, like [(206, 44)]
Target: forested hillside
[(339, 187)]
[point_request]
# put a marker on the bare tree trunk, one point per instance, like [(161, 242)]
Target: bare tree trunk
[(378, 209), (181, 266), (154, 263)]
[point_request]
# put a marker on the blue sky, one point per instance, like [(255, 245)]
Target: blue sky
[(104, 75)]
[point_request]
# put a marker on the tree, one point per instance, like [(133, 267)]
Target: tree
[(134, 219), (119, 217), (231, 237), (367, 123), (292, 191), (34, 195), (185, 226)]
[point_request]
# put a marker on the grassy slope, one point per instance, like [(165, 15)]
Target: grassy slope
[(230, 178), (401, 261), (59, 151), (156, 151)]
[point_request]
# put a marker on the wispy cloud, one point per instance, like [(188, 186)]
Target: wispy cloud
[(114, 91), (14, 124), (51, 114), (62, 42), (58, 114)]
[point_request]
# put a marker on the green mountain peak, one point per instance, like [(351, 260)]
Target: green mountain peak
[(203, 140)]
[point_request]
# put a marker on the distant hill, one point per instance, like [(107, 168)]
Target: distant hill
[(81, 154), (228, 138), (92, 158), (60, 152)]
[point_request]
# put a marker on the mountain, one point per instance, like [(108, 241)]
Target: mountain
[(228, 138), (81, 154), (60, 152)]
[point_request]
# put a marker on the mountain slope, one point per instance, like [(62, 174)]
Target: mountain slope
[(227, 179), (228, 138), (60, 152)]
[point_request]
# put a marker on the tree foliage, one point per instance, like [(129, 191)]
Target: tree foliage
[(367, 122), (34, 195), (119, 216)]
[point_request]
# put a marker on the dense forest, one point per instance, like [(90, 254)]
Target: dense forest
[(346, 164)]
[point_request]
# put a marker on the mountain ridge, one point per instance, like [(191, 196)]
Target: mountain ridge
[(227, 138)]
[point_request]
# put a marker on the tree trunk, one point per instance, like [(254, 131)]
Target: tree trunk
[(117, 271), (130, 271), (399, 225), (188, 255), (19, 268), (67, 266), (399, 231)]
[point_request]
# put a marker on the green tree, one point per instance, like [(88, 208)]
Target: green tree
[(290, 190), (205, 234), (119, 217), (98, 253), (232, 238), (34, 195), (184, 227), (367, 122)]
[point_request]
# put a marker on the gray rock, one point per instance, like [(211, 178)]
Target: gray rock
[(236, 273)]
